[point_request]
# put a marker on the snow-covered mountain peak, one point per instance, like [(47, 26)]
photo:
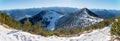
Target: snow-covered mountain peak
[(51, 19), (82, 18), (87, 11)]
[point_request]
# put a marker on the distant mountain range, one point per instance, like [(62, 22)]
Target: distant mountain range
[(62, 17), (18, 14)]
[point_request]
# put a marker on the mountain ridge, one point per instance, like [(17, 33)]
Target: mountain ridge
[(60, 15), (33, 11), (52, 20), (75, 17)]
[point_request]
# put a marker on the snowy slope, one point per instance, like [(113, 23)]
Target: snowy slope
[(51, 18), (16, 35), (85, 19), (82, 18)]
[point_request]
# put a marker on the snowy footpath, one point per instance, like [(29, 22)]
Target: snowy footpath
[(16, 35)]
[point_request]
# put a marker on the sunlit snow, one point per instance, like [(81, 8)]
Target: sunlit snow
[(16, 35)]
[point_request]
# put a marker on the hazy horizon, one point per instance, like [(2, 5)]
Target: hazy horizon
[(91, 4)]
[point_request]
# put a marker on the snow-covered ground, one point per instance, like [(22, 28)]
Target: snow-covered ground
[(16, 35), (50, 17)]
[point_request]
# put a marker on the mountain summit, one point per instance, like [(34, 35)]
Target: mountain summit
[(51, 19), (87, 11), (82, 18)]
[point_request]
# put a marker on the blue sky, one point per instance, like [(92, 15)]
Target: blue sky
[(98, 4)]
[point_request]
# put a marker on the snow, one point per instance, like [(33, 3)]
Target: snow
[(26, 16), (17, 35), (90, 18), (83, 19), (97, 35), (51, 17)]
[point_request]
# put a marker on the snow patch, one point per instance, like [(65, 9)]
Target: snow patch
[(16, 35), (50, 17), (83, 19)]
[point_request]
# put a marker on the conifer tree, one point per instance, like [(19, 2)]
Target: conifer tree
[(27, 23)]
